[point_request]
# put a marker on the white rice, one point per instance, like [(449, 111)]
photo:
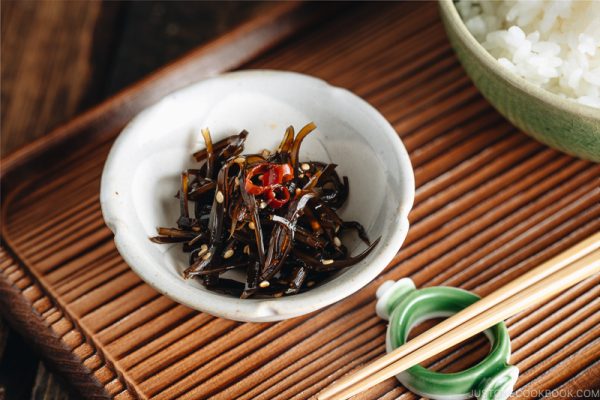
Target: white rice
[(552, 44)]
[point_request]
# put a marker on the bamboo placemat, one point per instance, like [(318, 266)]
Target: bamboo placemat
[(490, 204)]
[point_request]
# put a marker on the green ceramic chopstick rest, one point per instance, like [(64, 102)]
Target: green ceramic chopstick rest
[(405, 307)]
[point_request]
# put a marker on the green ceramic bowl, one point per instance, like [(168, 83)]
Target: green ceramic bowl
[(563, 124)]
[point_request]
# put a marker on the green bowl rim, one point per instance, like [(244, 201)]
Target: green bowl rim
[(449, 10)]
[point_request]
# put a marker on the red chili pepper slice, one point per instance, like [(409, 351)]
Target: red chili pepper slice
[(277, 174), (255, 171), (277, 196), (272, 174)]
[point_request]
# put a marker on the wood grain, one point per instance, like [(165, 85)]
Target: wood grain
[(491, 204), (155, 33), (51, 94), (20, 298)]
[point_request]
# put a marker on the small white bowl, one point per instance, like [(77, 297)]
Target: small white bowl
[(141, 177)]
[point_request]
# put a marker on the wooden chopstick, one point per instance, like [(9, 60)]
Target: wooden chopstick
[(544, 274)]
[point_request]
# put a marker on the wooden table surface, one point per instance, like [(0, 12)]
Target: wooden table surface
[(475, 196), (62, 57)]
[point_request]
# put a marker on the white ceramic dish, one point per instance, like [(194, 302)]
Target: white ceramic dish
[(141, 176)]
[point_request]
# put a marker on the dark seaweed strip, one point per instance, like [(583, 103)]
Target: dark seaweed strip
[(168, 239), (286, 144), (320, 266), (201, 155), (252, 277), (303, 236), (223, 285), (336, 195), (201, 189), (215, 224), (362, 234), (210, 155), (174, 235), (329, 220), (223, 268), (297, 142), (250, 202), (282, 237), (235, 146), (184, 222), (237, 215), (299, 275), (198, 237)]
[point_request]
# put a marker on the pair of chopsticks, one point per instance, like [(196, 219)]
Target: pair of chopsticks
[(541, 283)]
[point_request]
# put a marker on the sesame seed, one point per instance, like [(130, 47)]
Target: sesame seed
[(301, 176), (305, 166), (263, 204), (203, 249), (337, 241), (219, 197), (327, 262), (266, 153), (246, 249), (264, 284), (228, 253), (207, 256), (237, 181), (251, 225)]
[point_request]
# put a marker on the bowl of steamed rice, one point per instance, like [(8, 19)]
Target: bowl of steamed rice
[(537, 62)]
